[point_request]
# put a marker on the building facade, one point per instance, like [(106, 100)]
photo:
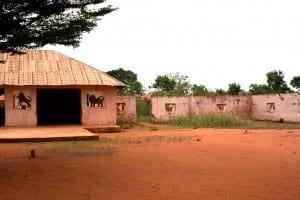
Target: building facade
[(49, 88)]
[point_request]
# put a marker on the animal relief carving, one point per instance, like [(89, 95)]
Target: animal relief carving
[(21, 101), (93, 101), (170, 108)]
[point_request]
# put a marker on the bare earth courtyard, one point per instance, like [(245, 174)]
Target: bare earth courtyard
[(157, 163)]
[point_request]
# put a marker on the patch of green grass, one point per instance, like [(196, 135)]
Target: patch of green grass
[(228, 121), (115, 140), (207, 121), (143, 107), (126, 125), (112, 130), (82, 148), (146, 139), (272, 125), (143, 118), (153, 128), (178, 138)]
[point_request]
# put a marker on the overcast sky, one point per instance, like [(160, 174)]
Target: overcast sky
[(213, 42)]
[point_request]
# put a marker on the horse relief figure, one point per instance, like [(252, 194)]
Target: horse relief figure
[(23, 101), (92, 101)]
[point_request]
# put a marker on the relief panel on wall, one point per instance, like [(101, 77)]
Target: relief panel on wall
[(270, 107), (121, 108), (221, 107), (170, 108), (95, 99), (22, 100)]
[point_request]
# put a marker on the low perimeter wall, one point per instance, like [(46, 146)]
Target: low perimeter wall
[(126, 109), (164, 108), (284, 107), (275, 107)]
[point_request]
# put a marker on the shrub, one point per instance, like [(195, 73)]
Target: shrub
[(143, 107), (209, 121)]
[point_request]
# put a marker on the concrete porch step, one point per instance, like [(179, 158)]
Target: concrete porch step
[(48, 139)]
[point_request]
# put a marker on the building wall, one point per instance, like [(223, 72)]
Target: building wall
[(126, 109), (94, 116), (16, 116), (285, 107)]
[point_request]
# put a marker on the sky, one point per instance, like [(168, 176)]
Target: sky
[(213, 42)]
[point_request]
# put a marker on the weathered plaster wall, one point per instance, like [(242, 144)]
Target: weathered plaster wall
[(234, 105), (193, 106), (286, 107), (95, 116), (20, 117), (126, 109), (159, 111)]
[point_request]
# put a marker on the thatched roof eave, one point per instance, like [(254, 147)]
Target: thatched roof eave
[(50, 68)]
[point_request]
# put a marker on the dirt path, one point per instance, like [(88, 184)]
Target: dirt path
[(164, 164)]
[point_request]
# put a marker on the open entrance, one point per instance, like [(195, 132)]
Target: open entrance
[(2, 107), (58, 106)]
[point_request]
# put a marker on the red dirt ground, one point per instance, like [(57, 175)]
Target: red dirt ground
[(165, 164)]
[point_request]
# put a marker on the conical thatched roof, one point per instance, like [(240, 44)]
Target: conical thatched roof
[(50, 68)]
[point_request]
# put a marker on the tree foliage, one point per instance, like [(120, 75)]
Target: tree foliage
[(130, 78), (258, 89), (163, 83), (234, 89), (171, 85), (220, 91), (199, 90), (30, 24), (295, 82), (276, 82)]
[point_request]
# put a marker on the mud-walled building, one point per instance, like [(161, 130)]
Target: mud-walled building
[(42, 87)]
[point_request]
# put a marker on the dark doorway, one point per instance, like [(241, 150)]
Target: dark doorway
[(2, 107), (58, 106)]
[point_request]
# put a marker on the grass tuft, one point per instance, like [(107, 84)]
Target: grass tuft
[(126, 125), (208, 121), (82, 148), (228, 121)]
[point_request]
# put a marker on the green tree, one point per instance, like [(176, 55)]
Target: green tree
[(171, 85), (258, 89), (234, 89), (30, 24), (163, 85), (134, 87), (276, 83), (295, 82), (199, 90), (220, 91)]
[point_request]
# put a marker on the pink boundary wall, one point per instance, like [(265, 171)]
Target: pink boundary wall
[(287, 106), (199, 105), (129, 112)]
